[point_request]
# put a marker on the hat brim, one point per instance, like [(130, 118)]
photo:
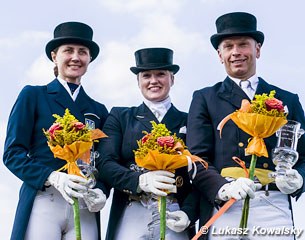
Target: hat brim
[(173, 68), (217, 38), (53, 44)]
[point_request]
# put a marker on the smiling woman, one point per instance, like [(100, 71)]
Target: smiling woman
[(137, 189), (47, 194)]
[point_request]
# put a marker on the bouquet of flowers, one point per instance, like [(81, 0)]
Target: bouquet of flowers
[(160, 150), (70, 140), (261, 118)]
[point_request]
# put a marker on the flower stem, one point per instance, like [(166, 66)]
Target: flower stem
[(162, 217), (245, 210), (76, 219)]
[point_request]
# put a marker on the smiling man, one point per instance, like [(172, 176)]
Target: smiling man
[(238, 44)]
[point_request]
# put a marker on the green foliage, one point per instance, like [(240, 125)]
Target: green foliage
[(158, 130), (68, 133), (258, 105)]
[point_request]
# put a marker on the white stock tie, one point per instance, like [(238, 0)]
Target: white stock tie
[(246, 87), (157, 113)]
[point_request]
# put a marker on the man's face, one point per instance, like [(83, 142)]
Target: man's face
[(239, 54), (155, 84)]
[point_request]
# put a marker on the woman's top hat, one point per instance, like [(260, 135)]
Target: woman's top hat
[(73, 32), (154, 58), (236, 24)]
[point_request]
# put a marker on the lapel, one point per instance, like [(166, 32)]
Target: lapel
[(232, 93), (172, 118), (57, 94), (263, 87), (144, 116)]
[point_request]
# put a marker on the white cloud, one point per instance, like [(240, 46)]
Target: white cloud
[(112, 81), (40, 72)]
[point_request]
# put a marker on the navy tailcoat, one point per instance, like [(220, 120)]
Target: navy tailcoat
[(124, 127), (209, 106), (26, 153)]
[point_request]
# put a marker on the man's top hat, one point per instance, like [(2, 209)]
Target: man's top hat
[(236, 24), (73, 32), (154, 58)]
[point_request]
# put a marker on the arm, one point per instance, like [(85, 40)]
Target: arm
[(24, 139), (200, 141), (110, 163)]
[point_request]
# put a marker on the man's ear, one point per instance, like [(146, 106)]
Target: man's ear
[(220, 56), (258, 50)]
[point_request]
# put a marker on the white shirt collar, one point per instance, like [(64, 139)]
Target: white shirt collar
[(65, 85), (159, 108), (253, 80)]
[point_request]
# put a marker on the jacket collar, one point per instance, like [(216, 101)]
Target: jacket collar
[(59, 95), (145, 116)]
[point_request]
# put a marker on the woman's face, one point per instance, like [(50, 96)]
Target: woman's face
[(239, 54), (72, 61), (155, 84)]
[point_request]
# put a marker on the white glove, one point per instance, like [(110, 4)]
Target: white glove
[(153, 181), (95, 199), (177, 221), (68, 185), (238, 189), (290, 183)]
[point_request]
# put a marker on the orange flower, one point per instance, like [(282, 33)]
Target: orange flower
[(260, 119)]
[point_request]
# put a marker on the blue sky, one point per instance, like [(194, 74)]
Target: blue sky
[(123, 26)]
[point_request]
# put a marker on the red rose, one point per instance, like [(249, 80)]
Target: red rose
[(274, 104), (53, 128), (167, 141), (78, 126), (145, 138)]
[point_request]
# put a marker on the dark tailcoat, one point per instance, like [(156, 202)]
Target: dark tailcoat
[(124, 128), (26, 152), (209, 106)]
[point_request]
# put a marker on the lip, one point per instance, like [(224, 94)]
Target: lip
[(154, 88), (238, 61)]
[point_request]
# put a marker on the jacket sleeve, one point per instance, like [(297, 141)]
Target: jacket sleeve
[(200, 141), (110, 161), (19, 141), (296, 113)]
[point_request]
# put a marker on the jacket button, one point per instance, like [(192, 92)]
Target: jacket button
[(265, 165), (240, 144)]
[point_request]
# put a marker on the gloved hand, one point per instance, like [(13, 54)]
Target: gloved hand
[(177, 221), (238, 189), (153, 181), (289, 184), (95, 199), (68, 185)]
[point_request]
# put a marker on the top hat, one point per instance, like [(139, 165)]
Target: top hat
[(73, 32), (154, 58), (236, 24)]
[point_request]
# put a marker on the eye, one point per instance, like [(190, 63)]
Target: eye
[(68, 50), (161, 74), (83, 52), (146, 75)]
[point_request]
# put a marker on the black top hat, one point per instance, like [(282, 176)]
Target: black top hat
[(154, 58), (236, 24), (73, 32)]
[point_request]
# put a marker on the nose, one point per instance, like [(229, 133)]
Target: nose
[(154, 78), (235, 50), (75, 56)]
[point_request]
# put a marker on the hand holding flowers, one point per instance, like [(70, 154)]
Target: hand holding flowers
[(261, 118), (162, 153), (70, 140)]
